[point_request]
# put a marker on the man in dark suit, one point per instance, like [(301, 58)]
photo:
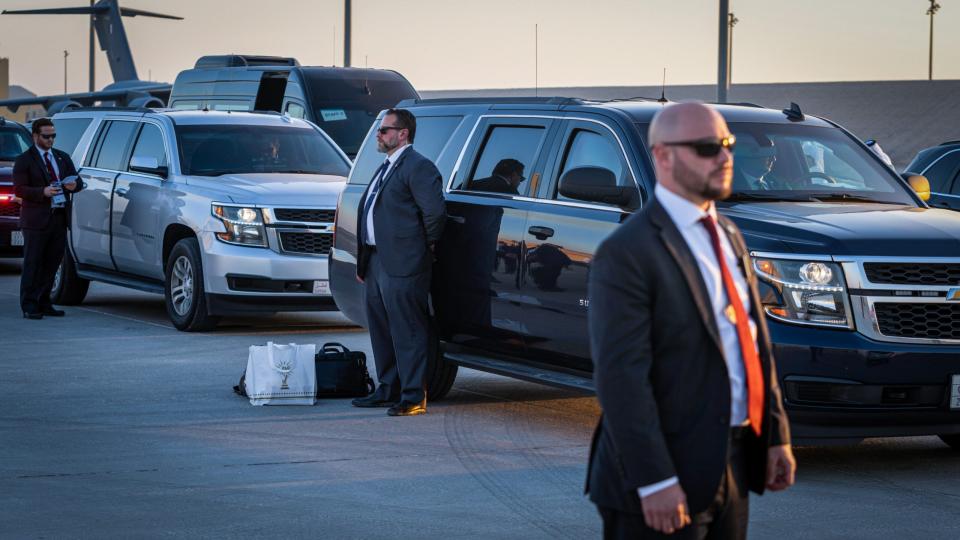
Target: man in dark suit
[(506, 178), (43, 220), (401, 218), (692, 413)]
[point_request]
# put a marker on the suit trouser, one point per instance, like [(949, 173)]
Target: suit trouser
[(398, 319), (42, 254), (725, 518)]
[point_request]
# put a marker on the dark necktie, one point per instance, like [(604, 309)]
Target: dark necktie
[(50, 169), (748, 348), (374, 189)]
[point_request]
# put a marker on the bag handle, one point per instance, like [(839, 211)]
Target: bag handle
[(334, 347)]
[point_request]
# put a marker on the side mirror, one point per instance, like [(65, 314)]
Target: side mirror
[(148, 165), (597, 184), (919, 183)]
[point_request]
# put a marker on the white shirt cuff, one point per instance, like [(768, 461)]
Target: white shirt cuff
[(653, 488)]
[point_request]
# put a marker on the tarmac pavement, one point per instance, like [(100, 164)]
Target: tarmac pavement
[(115, 425)]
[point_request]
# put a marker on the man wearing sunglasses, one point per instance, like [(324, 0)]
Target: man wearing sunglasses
[(400, 219), (692, 413), (36, 175)]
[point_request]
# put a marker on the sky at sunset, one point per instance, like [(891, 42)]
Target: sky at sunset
[(461, 44)]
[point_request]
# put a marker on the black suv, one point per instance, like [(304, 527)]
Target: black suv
[(14, 140), (869, 346), (941, 165)]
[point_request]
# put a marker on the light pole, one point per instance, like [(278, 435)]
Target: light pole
[(722, 57), (65, 55), (347, 32), (733, 20), (931, 11)]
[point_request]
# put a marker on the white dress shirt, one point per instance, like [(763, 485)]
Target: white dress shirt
[(686, 216), (53, 159), (371, 238)]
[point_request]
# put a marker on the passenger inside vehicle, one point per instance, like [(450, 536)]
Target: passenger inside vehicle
[(506, 178)]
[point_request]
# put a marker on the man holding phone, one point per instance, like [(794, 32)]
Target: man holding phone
[(41, 175)]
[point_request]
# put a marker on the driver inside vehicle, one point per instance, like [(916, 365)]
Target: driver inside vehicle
[(754, 158)]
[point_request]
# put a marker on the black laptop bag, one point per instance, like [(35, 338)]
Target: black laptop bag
[(342, 372)]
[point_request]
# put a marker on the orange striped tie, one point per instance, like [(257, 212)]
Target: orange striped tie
[(748, 347)]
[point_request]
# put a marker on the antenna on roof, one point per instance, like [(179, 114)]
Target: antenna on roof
[(663, 88)]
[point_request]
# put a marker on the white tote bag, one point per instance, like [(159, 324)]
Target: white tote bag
[(281, 374)]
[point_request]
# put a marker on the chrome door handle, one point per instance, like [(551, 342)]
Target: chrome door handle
[(122, 191)]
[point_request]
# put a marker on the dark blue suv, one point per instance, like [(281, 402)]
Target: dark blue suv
[(860, 278)]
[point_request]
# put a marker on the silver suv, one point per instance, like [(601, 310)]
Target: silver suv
[(220, 212)]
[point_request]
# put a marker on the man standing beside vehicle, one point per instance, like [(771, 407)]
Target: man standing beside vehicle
[(692, 412), (43, 217), (401, 218)]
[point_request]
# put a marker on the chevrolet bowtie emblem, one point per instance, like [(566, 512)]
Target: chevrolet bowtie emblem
[(953, 295)]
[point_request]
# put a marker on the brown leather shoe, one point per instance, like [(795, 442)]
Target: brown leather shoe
[(407, 408)]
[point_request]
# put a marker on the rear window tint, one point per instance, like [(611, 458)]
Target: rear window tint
[(69, 132)]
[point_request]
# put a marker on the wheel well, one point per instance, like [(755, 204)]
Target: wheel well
[(171, 236)]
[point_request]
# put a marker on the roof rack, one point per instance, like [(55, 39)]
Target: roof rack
[(520, 100), (111, 109), (746, 104), (946, 143), (243, 60)]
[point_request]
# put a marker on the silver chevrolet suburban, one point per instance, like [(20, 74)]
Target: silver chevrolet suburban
[(221, 212)]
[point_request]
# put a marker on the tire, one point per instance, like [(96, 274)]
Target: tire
[(69, 289), (183, 291), (440, 372), (953, 441)]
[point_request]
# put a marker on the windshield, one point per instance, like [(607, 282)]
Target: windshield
[(13, 142), (345, 105), (807, 163), (213, 150), (777, 162)]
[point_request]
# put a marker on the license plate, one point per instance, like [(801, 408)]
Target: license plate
[(321, 286), (16, 238), (955, 392)]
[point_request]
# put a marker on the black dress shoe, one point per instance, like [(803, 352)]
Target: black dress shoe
[(408, 408), (373, 400), (34, 316), (51, 312)]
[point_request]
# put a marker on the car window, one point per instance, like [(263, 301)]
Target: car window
[(13, 142), (69, 132), (588, 148), (942, 171), (809, 163), (433, 133), (214, 150), (295, 110), (505, 159), (186, 105), (113, 145), (150, 144)]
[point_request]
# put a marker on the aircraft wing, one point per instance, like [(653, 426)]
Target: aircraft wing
[(122, 96)]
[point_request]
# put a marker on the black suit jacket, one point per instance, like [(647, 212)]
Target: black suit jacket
[(659, 369), (30, 176), (408, 216)]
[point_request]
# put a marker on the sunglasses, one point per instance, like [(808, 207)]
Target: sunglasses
[(51, 136), (386, 129), (707, 148)]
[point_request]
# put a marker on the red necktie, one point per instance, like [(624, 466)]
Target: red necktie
[(50, 169), (748, 348)]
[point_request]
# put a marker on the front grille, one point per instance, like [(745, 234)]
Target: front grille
[(920, 321), (913, 273), (10, 209), (305, 242), (305, 215)]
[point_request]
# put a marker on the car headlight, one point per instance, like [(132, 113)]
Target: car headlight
[(244, 225), (810, 292)]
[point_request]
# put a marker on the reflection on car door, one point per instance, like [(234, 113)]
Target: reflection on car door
[(90, 233), (136, 209), (478, 294), (561, 237)]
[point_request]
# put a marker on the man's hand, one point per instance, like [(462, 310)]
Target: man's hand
[(50, 191), (666, 510), (70, 186), (781, 467), (359, 279)]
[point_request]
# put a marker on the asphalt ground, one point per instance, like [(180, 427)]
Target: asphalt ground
[(115, 425)]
